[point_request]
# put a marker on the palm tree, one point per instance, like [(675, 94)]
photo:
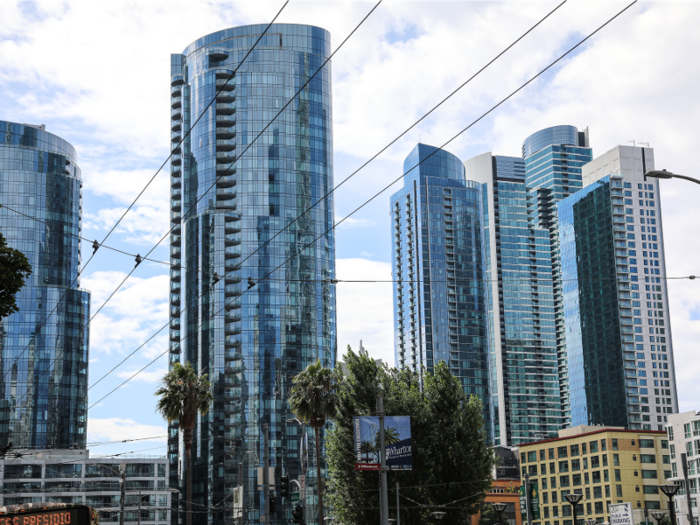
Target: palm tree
[(313, 400), (391, 436), (183, 394)]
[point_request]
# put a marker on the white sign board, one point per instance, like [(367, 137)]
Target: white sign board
[(270, 477), (238, 502), (621, 514)]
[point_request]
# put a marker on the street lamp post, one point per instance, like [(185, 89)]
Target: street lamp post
[(663, 174), (670, 491), (500, 509), (574, 498), (658, 516)]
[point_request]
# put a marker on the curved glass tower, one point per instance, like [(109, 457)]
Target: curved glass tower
[(43, 348), (231, 194), (440, 310)]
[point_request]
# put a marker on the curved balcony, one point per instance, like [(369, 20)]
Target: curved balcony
[(226, 181), (176, 204), (225, 145), (232, 239), (176, 114), (226, 96), (176, 91), (174, 335), (232, 279), (175, 216), (175, 252), (232, 290), (175, 193), (226, 193), (176, 159), (225, 156), (230, 303), (232, 227), (229, 204), (176, 240), (175, 136), (175, 299), (174, 349), (224, 84), (232, 328), (232, 317), (175, 323), (232, 251), (176, 125), (225, 168), (176, 102), (232, 341), (225, 121), (175, 275), (217, 54), (176, 181), (225, 133), (225, 108), (176, 149), (230, 265), (177, 80)]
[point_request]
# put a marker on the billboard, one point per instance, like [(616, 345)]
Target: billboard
[(397, 436), (620, 514), (237, 502)]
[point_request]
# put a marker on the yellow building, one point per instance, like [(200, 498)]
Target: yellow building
[(604, 464)]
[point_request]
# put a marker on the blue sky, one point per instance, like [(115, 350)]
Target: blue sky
[(97, 74)]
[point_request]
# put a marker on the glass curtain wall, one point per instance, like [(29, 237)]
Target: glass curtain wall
[(232, 194), (43, 347), (439, 296)]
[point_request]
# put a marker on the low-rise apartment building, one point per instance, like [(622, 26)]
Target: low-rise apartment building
[(605, 465), (684, 438)]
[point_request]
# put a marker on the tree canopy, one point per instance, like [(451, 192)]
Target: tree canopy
[(14, 270), (451, 458)]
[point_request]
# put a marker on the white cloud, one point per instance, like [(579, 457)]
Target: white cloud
[(117, 429), (147, 376), (351, 222), (365, 309)]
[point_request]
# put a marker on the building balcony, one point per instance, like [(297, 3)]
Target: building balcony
[(232, 303), (232, 239), (177, 80), (175, 137), (225, 108), (231, 265), (232, 317), (226, 181), (232, 341), (225, 85), (226, 193), (175, 193), (225, 168), (175, 252), (176, 181), (232, 227), (231, 290), (176, 205), (229, 204), (175, 299), (175, 216), (225, 145), (225, 132), (225, 121), (175, 240), (232, 252), (176, 114), (232, 328), (176, 159), (176, 102)]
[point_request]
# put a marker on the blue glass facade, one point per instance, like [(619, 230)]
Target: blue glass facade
[(618, 338), (553, 161), (43, 347), (439, 292), (524, 384), (250, 342)]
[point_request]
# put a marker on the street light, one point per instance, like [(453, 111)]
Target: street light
[(500, 509), (663, 174), (658, 516), (591, 521), (438, 515), (574, 498), (670, 491)]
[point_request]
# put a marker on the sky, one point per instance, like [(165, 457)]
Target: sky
[(97, 74)]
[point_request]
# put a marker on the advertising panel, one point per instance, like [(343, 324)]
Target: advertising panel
[(621, 514), (397, 436)]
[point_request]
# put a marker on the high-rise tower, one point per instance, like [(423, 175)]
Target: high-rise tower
[(524, 383), (231, 194), (439, 293), (618, 333), (44, 346)]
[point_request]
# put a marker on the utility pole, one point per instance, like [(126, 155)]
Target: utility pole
[(398, 506), (526, 477), (384, 496), (122, 482), (266, 474), (684, 465)]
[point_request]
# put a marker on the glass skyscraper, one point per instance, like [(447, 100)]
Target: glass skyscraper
[(43, 346), (618, 334), (231, 194), (437, 265), (523, 372), (553, 160)]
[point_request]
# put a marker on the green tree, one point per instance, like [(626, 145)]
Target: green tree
[(313, 400), (449, 445), (489, 516), (183, 394), (14, 270)]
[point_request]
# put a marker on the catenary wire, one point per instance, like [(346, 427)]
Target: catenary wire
[(352, 174), (493, 108), (131, 205)]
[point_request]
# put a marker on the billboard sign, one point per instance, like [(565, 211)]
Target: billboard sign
[(621, 514), (397, 438), (238, 502)]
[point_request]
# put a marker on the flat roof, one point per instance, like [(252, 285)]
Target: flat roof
[(658, 432)]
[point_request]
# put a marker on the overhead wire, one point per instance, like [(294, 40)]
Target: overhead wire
[(493, 108), (445, 99)]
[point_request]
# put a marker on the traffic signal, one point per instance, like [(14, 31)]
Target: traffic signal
[(284, 485), (298, 514), (273, 504)]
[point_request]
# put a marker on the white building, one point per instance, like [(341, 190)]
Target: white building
[(684, 438), (72, 476)]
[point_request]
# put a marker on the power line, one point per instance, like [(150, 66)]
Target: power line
[(493, 108), (357, 170), (138, 257)]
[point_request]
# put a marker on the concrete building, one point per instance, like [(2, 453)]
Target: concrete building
[(604, 464), (684, 438), (615, 297), (72, 476)]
